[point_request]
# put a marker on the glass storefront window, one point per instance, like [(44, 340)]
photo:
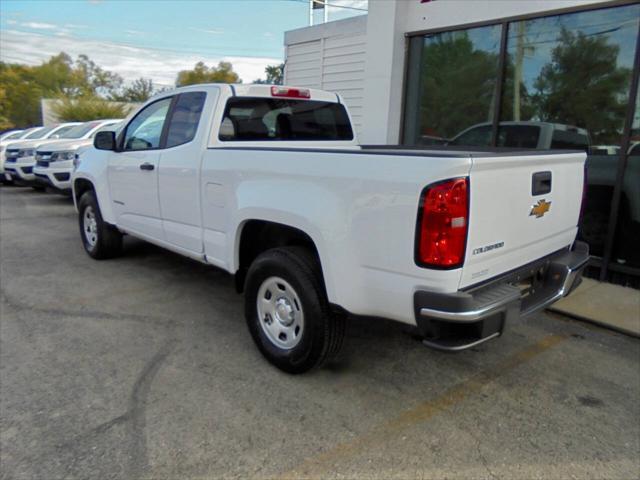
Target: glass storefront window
[(570, 75), (455, 99), (565, 82), (626, 248)]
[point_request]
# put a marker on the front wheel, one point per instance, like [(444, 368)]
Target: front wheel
[(287, 311), (100, 240)]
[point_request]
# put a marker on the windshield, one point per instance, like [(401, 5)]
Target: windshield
[(79, 131), (63, 130), (39, 133), (11, 136)]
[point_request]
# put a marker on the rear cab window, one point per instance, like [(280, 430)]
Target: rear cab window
[(256, 119)]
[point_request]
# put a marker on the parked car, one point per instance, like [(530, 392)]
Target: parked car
[(7, 139), (55, 160), (10, 134), (20, 157), (269, 184), (605, 150), (528, 134), (602, 171)]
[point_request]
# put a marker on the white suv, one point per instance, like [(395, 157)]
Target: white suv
[(55, 160), (7, 139), (20, 157)]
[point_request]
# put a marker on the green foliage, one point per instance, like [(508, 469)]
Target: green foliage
[(223, 73), (139, 91), (22, 87), (275, 74), (5, 124), (92, 108), (458, 84), (582, 85), (94, 80)]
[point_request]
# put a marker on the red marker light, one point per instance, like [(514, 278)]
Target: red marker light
[(289, 92)]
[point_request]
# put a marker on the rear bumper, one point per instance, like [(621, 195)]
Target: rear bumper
[(467, 318)]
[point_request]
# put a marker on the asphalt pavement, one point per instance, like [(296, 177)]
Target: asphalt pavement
[(142, 367)]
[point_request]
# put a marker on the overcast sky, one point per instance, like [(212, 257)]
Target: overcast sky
[(156, 39)]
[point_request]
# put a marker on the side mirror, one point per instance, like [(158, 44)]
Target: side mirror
[(105, 141)]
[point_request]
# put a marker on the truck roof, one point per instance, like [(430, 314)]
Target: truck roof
[(264, 91)]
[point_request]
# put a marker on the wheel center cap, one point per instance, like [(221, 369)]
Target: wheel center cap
[(284, 311)]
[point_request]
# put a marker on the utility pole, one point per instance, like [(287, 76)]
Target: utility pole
[(517, 71)]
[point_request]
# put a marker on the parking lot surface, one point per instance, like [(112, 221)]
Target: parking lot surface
[(142, 367)]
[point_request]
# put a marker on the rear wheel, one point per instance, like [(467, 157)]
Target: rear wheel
[(100, 240), (287, 311)]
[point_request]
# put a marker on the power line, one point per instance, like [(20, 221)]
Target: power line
[(333, 5)]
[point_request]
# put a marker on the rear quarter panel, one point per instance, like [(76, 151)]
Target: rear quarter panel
[(360, 210)]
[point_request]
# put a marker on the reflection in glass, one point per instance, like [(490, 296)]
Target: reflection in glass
[(458, 77), (626, 248), (570, 74)]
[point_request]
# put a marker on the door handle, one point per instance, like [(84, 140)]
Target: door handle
[(540, 183), (147, 166)]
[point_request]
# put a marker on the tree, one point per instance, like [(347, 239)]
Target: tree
[(458, 84), (223, 73), (582, 85), (58, 77), (21, 106), (94, 80), (89, 108), (139, 91), (275, 74), (5, 123)]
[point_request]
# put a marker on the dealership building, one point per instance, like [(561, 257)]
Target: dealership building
[(536, 74)]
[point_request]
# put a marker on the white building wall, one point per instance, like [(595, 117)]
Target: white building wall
[(330, 56)]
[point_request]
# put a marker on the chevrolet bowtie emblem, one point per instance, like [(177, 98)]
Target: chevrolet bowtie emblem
[(540, 208)]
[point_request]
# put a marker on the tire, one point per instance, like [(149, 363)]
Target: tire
[(288, 283), (100, 240), (39, 188)]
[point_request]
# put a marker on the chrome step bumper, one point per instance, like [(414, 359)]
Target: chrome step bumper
[(479, 314)]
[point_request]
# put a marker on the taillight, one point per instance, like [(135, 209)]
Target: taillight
[(443, 220), (290, 92)]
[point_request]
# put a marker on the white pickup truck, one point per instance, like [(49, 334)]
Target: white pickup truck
[(269, 184)]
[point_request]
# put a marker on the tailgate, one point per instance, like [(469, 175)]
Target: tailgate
[(514, 217)]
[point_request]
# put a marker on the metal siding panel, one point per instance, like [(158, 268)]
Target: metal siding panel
[(344, 68), (342, 76), (338, 42), (345, 59), (351, 49)]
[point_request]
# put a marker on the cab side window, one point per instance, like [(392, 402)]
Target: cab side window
[(144, 132), (184, 119)]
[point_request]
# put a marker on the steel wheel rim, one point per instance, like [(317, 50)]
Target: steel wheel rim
[(280, 313), (90, 226)]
